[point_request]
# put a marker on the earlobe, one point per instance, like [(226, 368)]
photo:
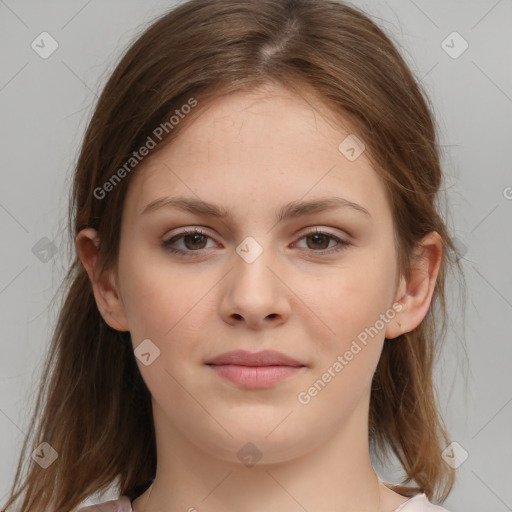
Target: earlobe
[(415, 294), (106, 294)]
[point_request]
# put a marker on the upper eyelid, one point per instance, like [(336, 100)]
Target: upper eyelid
[(303, 232)]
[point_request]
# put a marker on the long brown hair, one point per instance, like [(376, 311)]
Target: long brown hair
[(93, 407)]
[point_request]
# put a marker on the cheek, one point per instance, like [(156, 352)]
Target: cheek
[(152, 292), (350, 301), (345, 362), (166, 302)]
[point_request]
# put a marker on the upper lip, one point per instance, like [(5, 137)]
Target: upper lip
[(263, 358)]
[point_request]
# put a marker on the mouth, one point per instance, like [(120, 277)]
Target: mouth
[(255, 370), (254, 377)]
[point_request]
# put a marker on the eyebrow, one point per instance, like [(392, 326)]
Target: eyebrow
[(288, 211)]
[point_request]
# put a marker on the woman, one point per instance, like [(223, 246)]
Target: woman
[(251, 310)]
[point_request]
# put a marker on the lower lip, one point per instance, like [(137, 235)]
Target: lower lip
[(255, 377)]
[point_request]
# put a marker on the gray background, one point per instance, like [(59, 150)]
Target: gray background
[(45, 105)]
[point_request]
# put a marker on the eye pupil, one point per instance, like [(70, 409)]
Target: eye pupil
[(196, 238), (318, 237)]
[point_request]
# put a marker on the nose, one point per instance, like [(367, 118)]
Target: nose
[(254, 293)]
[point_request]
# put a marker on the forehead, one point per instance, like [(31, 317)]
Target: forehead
[(267, 113), (270, 143)]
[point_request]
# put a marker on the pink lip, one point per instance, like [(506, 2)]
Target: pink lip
[(254, 370), (254, 377)]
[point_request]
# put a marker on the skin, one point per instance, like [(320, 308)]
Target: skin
[(240, 154)]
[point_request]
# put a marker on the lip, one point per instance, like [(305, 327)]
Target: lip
[(255, 370), (263, 358)]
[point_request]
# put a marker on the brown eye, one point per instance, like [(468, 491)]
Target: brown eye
[(194, 240), (319, 241)]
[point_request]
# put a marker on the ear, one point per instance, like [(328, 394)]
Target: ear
[(414, 294), (104, 285)]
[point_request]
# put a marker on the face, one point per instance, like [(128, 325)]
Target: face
[(316, 284)]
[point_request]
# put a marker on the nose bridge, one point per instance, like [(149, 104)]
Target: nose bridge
[(251, 266)]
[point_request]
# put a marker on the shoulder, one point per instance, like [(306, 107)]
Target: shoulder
[(120, 505), (419, 503)]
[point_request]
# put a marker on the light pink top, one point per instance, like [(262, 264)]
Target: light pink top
[(418, 503)]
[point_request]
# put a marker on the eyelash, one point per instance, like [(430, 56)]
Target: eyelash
[(341, 244)]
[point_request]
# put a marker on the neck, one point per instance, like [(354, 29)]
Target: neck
[(335, 476)]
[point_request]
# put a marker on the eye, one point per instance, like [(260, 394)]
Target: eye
[(195, 240), (321, 239)]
